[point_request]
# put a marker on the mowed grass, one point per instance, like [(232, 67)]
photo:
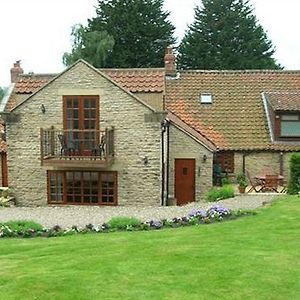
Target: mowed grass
[(256, 257)]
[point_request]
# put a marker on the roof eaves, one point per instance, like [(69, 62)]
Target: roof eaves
[(94, 69)]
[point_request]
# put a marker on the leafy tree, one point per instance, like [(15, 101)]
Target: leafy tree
[(140, 30), (226, 35), (92, 46)]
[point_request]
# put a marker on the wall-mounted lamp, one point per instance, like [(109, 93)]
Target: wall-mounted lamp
[(204, 158), (43, 108), (145, 160)]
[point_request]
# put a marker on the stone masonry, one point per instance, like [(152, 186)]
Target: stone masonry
[(183, 146), (262, 162), (134, 138)]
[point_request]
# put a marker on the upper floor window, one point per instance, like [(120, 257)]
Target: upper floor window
[(81, 112), (290, 125)]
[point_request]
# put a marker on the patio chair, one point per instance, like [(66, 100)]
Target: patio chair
[(255, 185), (271, 183), (217, 174), (65, 148), (283, 183), (100, 147)]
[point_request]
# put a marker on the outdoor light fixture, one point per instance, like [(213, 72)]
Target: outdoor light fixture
[(145, 160), (43, 108), (204, 158)]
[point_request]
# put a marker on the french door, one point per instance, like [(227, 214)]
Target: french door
[(82, 187), (81, 122)]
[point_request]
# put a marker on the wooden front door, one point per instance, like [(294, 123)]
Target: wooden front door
[(4, 169), (184, 181)]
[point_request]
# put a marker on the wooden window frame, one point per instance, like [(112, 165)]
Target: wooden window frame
[(82, 194), (86, 132), (289, 121), (81, 108), (226, 161), (56, 174)]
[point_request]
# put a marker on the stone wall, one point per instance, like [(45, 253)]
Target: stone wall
[(184, 146), (262, 163), (138, 184), (155, 100)]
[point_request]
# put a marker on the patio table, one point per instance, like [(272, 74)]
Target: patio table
[(262, 179)]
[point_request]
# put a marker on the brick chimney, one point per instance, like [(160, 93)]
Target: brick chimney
[(15, 71), (170, 59)]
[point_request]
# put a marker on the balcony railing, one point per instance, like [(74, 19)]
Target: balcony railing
[(73, 147)]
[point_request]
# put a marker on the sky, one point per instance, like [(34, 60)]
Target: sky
[(38, 32)]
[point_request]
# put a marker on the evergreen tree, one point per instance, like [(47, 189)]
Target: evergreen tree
[(226, 35), (92, 46), (140, 30)]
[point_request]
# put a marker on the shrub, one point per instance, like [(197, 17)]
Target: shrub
[(27, 229), (216, 194), (5, 199), (225, 180), (294, 181), (23, 225), (242, 180), (123, 223)]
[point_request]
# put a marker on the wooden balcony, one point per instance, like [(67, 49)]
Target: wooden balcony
[(77, 149)]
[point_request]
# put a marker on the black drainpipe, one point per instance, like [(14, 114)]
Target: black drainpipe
[(281, 163), (163, 130), (244, 163), (244, 160), (165, 167), (168, 162)]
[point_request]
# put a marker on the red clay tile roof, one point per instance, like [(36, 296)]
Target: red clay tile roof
[(149, 80), (198, 136), (29, 83), (284, 101), (135, 80), (138, 80), (236, 119)]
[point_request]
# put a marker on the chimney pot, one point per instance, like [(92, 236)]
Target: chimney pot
[(15, 71), (170, 62)]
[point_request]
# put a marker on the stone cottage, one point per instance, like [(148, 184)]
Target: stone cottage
[(143, 136), (100, 137)]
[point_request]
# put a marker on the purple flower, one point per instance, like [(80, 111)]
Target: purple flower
[(197, 213), (218, 212), (156, 224)]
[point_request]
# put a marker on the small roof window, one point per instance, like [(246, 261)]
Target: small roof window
[(206, 98)]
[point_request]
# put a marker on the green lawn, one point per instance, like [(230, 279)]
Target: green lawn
[(256, 257)]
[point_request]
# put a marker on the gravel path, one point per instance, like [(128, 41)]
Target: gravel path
[(66, 216)]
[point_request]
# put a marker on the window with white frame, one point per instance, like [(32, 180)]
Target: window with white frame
[(206, 98)]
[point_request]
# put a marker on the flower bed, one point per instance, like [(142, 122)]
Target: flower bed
[(216, 213)]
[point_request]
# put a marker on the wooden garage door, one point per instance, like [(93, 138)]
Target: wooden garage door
[(184, 181)]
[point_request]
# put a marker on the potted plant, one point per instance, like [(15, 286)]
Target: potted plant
[(242, 182)]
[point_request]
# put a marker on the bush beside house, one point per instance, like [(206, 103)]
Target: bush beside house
[(294, 182)]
